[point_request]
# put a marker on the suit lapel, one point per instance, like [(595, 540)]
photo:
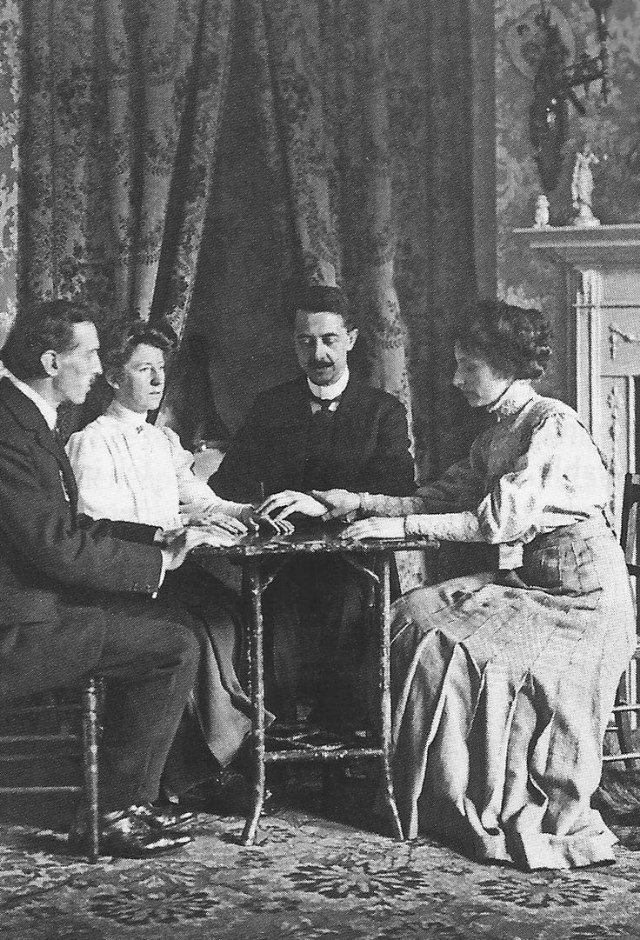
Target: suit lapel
[(297, 432), (30, 417), (348, 422)]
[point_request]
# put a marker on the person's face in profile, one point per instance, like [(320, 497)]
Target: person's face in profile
[(140, 383), (480, 383), (75, 370), (322, 343)]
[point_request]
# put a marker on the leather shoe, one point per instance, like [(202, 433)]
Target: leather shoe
[(162, 817), (125, 835), (228, 794)]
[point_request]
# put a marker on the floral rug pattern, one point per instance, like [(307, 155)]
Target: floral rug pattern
[(308, 877)]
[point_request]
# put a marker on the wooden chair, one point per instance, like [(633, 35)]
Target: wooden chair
[(627, 697), (64, 715)]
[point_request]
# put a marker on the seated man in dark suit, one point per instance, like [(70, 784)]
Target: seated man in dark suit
[(78, 595), (325, 429)]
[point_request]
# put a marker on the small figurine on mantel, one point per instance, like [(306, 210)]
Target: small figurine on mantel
[(542, 212), (582, 189)]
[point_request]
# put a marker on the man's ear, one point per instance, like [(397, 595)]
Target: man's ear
[(49, 360), (353, 335)]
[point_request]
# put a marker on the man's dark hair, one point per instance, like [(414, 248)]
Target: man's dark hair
[(315, 298), (38, 327), (138, 333)]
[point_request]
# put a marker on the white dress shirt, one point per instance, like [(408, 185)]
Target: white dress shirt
[(330, 393), (130, 470)]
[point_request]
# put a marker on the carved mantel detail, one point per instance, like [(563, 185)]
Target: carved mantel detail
[(615, 335)]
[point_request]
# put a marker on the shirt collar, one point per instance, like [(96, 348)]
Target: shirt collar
[(328, 392), (48, 412), (134, 419), (512, 400)]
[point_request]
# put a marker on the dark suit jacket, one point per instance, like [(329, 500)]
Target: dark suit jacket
[(370, 444), (54, 563)]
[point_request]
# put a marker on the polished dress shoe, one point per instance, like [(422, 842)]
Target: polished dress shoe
[(162, 817), (123, 834)]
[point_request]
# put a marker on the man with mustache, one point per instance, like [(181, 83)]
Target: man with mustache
[(326, 428)]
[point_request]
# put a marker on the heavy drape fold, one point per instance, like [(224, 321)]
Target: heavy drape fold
[(323, 112), (120, 116)]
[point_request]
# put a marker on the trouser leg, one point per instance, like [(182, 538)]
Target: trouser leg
[(149, 659)]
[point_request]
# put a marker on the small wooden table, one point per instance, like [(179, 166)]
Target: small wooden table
[(373, 559)]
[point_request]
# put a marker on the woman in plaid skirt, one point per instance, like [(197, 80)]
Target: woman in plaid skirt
[(503, 681)]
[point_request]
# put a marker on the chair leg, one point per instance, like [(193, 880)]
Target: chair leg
[(623, 724), (90, 763)]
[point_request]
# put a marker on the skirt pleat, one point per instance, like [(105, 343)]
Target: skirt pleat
[(501, 697)]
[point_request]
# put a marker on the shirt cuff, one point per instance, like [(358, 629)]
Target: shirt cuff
[(163, 571)]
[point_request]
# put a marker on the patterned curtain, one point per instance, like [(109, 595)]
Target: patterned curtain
[(120, 110), (336, 107), (320, 71)]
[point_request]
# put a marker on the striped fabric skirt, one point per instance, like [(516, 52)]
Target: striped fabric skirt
[(501, 696)]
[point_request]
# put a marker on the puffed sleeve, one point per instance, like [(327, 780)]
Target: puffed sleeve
[(196, 496), (92, 461), (560, 459)]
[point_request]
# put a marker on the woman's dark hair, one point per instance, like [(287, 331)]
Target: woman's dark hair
[(138, 333), (38, 327), (513, 340)]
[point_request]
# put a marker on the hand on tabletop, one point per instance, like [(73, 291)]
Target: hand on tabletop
[(259, 523), (281, 505), (250, 518), (219, 521), (376, 527), (214, 535), (337, 503)]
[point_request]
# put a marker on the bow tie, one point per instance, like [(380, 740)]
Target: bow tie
[(324, 404)]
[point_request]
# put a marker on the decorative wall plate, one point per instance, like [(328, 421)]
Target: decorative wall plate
[(524, 39)]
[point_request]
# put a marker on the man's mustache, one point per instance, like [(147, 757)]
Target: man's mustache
[(317, 363)]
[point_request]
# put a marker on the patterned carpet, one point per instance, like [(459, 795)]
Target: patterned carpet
[(310, 877)]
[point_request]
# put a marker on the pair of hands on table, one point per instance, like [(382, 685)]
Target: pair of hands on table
[(331, 504)]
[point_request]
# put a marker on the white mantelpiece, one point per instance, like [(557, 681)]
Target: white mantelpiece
[(602, 271)]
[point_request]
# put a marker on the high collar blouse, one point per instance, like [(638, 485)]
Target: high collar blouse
[(128, 469), (534, 470)]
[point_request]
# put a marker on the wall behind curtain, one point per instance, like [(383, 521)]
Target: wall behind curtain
[(612, 130)]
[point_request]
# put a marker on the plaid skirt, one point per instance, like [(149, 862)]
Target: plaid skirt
[(501, 696)]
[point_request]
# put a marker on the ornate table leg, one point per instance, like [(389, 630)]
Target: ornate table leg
[(256, 664), (384, 632)]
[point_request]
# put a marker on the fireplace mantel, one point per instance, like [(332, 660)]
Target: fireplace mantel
[(603, 246), (602, 316)]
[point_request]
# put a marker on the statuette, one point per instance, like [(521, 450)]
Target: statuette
[(542, 212), (582, 189)]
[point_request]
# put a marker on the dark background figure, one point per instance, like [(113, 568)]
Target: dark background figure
[(326, 428)]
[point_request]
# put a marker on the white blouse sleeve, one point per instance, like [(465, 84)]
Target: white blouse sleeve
[(196, 496), (91, 459), (558, 479)]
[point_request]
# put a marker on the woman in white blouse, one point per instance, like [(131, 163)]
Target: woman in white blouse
[(503, 681), (128, 469)]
